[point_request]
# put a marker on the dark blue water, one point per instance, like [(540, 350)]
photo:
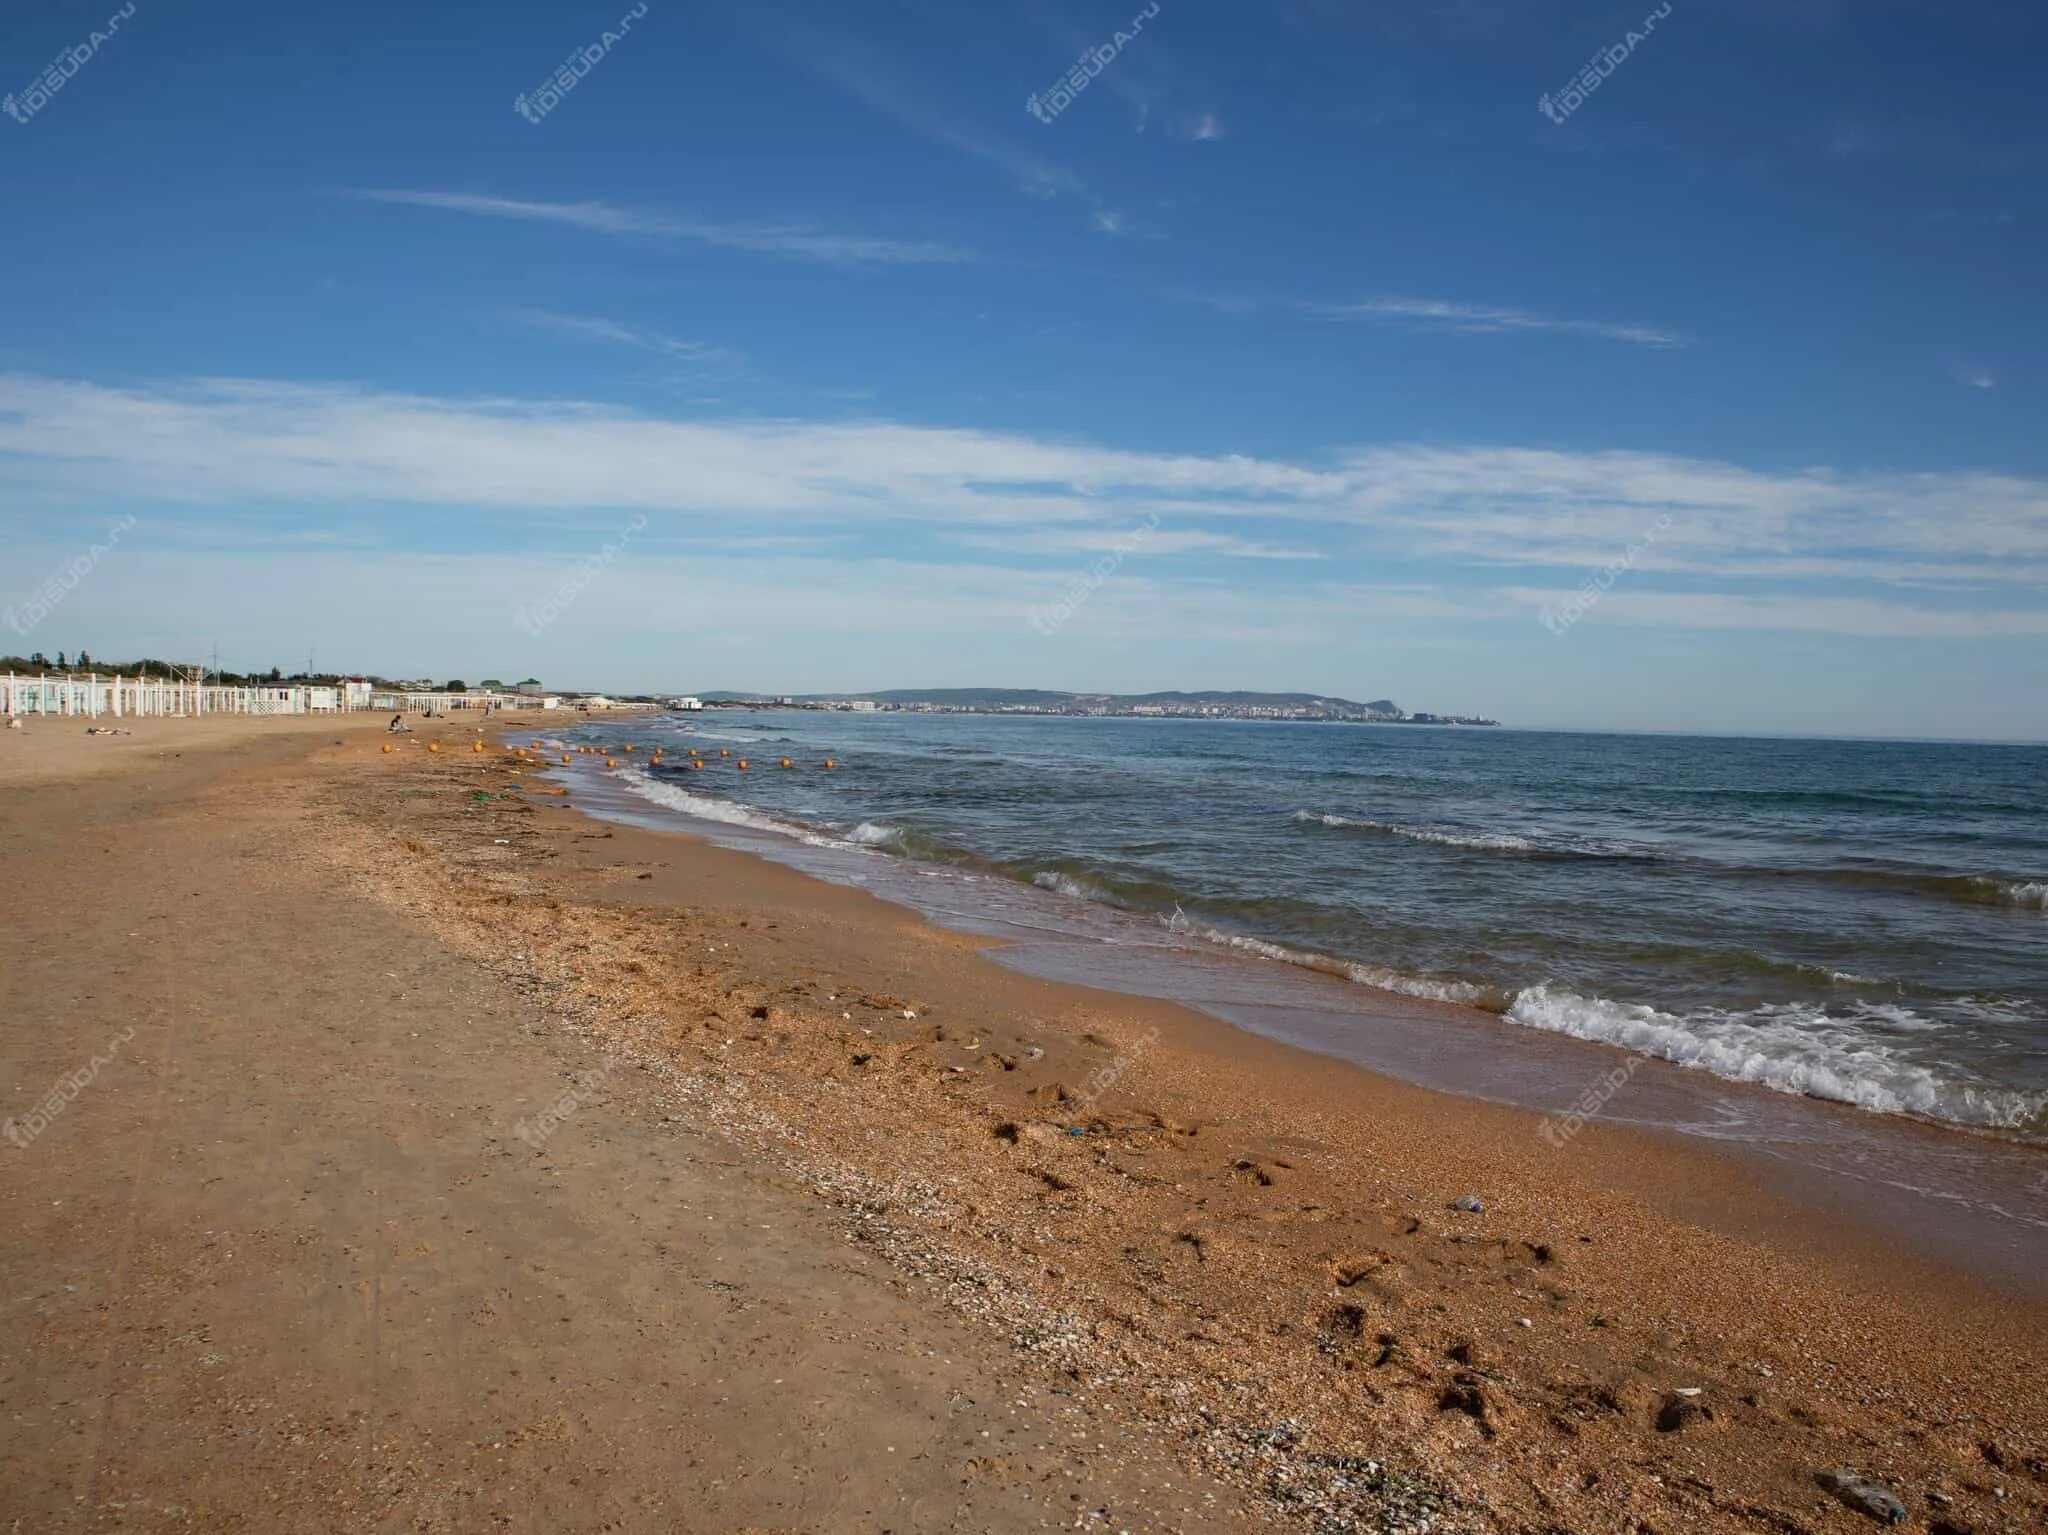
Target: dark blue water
[(1865, 922)]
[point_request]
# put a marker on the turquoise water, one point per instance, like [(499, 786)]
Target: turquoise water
[(1860, 921)]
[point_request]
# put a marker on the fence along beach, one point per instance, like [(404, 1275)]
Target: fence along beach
[(93, 696)]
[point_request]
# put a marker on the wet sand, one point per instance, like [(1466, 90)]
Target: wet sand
[(1221, 1244)]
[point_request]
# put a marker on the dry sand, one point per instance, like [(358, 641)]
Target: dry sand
[(352, 980), (283, 1263)]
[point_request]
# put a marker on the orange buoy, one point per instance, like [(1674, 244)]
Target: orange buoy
[(785, 762), (565, 759), (743, 764), (696, 762), (829, 763), (611, 762), (387, 746), (629, 748), (477, 746), (724, 752), (433, 746)]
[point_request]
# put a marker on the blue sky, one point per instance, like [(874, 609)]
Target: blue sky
[(1300, 349)]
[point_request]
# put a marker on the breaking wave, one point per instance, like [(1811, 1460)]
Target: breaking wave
[(1432, 988), (709, 808), (1792, 1048), (1490, 842)]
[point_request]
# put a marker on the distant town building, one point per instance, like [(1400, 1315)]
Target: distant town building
[(531, 688)]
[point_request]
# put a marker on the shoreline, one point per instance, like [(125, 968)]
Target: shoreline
[(1288, 1207), (1723, 999), (1252, 1252), (1975, 1196)]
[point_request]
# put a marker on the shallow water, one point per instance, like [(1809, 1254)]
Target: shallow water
[(1866, 922)]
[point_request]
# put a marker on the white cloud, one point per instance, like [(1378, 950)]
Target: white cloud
[(862, 76), (1969, 372), (1786, 548), (617, 333), (1862, 617), (1204, 128), (1069, 541), (1489, 319), (791, 238), (1442, 314)]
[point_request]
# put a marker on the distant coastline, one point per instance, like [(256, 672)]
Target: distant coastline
[(1225, 705)]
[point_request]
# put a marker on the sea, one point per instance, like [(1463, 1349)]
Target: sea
[(1495, 911)]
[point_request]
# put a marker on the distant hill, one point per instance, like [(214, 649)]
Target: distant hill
[(1049, 698), (1261, 700)]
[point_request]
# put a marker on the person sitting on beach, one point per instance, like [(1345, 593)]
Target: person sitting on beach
[(397, 724)]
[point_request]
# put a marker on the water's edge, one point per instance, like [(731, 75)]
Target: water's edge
[(1976, 1201)]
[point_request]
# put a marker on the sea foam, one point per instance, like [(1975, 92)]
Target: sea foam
[(1788, 1047)]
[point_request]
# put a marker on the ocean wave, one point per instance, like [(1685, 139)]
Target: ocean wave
[(700, 733), (1882, 799), (1793, 1049), (1975, 889), (1970, 889), (708, 808), (1489, 842), (1431, 988), (1068, 884), (877, 834), (2031, 892), (1492, 842)]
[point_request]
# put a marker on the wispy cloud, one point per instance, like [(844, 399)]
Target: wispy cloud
[(869, 79), (1861, 617), (1108, 221), (1489, 319), (1440, 315), (1064, 541), (863, 76), (1203, 128), (1968, 372), (616, 333), (597, 329), (1939, 555), (795, 239)]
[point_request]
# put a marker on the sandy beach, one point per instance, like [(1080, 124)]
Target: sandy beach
[(427, 1155)]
